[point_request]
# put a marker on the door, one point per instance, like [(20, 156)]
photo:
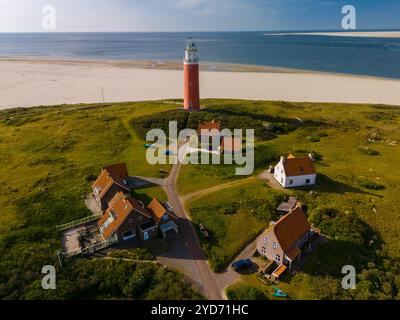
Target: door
[(146, 236)]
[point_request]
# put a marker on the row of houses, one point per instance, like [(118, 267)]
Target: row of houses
[(125, 217)]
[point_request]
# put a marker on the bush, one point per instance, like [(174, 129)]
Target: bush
[(371, 185), (245, 292), (368, 151)]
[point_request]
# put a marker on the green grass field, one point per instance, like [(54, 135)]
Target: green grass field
[(232, 218), (48, 154)]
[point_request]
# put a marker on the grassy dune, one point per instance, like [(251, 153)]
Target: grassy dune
[(47, 156)]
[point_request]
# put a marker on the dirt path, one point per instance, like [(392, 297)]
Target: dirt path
[(204, 192)]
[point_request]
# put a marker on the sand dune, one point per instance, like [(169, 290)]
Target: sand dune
[(25, 83)]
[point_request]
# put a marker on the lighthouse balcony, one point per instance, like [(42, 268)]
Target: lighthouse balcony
[(191, 60)]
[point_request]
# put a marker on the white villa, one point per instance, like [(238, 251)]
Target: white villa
[(293, 172)]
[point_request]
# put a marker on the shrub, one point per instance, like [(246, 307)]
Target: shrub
[(371, 185), (368, 151), (245, 292)]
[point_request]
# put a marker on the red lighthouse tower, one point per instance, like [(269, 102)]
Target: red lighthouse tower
[(191, 75)]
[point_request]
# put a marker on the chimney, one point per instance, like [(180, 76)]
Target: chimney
[(311, 156), (283, 159)]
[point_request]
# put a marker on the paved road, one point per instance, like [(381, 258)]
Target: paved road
[(199, 268)]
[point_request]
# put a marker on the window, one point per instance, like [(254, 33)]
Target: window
[(274, 245), (291, 181), (140, 218), (281, 180), (128, 235), (308, 181), (165, 217), (130, 221), (266, 241), (263, 250), (278, 258)]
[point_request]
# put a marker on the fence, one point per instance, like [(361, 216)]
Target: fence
[(91, 249), (79, 222)]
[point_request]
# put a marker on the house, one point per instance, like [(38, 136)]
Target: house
[(210, 132), (125, 219), (163, 216), (231, 145), (112, 179), (294, 171), (284, 239)]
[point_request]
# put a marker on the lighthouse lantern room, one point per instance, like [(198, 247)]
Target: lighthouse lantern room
[(191, 77)]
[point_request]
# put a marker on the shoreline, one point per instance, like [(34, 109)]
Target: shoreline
[(205, 66), (27, 82), (362, 34), (159, 65)]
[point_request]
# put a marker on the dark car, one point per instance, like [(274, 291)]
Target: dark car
[(241, 265)]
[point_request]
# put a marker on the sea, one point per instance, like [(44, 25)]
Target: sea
[(379, 57)]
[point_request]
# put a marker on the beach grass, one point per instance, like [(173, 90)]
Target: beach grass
[(48, 154)]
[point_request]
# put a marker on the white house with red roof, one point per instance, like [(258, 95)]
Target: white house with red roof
[(293, 171)]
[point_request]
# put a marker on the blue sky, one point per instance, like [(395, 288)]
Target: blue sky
[(197, 15)]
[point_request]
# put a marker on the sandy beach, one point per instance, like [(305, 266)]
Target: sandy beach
[(30, 82)]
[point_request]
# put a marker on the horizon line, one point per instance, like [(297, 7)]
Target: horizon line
[(208, 31)]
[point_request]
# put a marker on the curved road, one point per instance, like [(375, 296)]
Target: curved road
[(210, 287)]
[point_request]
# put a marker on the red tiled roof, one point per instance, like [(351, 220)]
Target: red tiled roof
[(291, 227), (208, 126), (279, 271), (109, 175), (158, 210), (118, 172), (298, 166), (120, 207)]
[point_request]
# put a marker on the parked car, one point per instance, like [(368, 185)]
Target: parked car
[(241, 265)]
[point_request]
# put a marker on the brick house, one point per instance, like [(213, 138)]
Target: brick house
[(112, 179), (283, 241), (126, 218), (163, 216)]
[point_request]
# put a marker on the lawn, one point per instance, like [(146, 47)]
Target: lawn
[(225, 214)]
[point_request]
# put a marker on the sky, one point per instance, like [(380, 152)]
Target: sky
[(196, 15)]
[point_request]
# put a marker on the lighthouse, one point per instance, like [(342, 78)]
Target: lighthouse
[(191, 77)]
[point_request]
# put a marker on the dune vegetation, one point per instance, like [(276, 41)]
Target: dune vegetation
[(49, 154)]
